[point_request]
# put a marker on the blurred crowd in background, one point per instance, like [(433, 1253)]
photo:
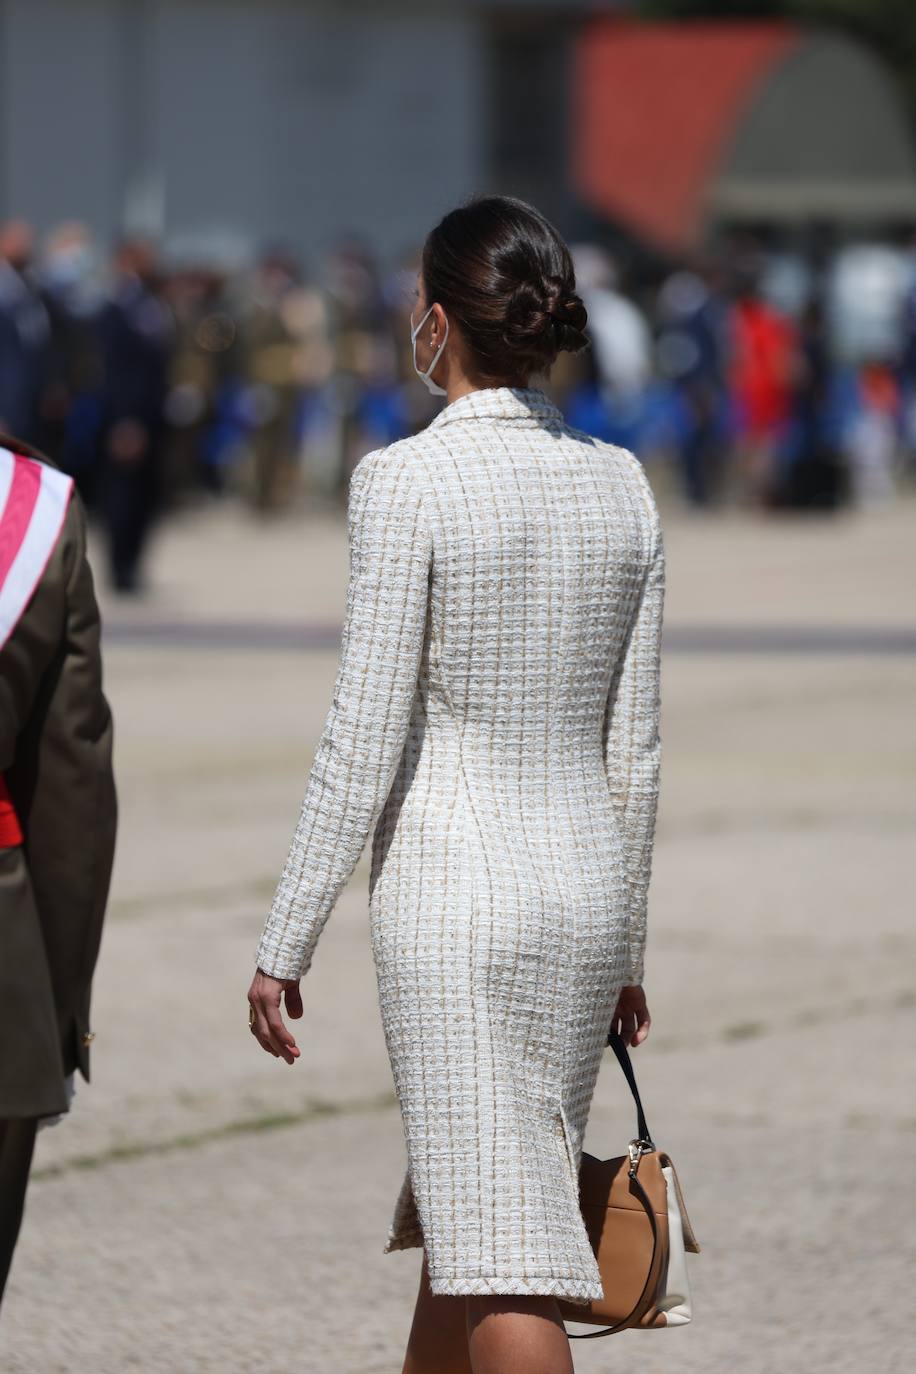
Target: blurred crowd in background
[(760, 376)]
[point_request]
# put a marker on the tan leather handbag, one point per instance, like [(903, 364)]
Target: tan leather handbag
[(638, 1226)]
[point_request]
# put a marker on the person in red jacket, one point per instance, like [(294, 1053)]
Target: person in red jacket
[(764, 353)]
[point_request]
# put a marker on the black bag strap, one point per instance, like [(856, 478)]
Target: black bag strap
[(620, 1049)]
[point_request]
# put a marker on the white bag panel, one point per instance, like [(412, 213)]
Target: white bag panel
[(675, 1300)]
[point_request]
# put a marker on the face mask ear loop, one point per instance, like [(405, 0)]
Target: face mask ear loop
[(416, 329), (426, 375)]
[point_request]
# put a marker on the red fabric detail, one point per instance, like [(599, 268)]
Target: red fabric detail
[(655, 108), (878, 388), (763, 345), (10, 830), (20, 503)]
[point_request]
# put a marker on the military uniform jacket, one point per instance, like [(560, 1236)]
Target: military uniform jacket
[(55, 763)]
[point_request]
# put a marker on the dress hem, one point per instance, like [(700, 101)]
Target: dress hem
[(572, 1289)]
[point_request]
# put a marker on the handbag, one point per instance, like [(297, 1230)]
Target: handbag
[(634, 1212)]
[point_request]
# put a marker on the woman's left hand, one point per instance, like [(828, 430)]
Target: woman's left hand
[(267, 1026), (631, 1018)]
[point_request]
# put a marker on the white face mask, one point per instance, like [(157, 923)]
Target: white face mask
[(425, 377)]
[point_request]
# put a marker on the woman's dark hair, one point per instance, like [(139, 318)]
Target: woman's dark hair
[(503, 273)]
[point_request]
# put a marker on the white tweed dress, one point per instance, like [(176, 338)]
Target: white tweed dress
[(495, 730)]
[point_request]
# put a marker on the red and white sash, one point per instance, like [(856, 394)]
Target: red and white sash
[(33, 505)]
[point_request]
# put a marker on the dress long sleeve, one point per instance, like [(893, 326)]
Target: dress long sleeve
[(366, 726), (632, 743)]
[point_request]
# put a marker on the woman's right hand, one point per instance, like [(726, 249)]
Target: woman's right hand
[(267, 1026), (631, 1019)]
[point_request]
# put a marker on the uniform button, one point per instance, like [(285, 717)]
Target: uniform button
[(88, 1037)]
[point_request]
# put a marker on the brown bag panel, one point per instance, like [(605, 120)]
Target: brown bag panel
[(622, 1241), (606, 1183)]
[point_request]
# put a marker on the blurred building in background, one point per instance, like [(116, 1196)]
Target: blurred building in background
[(221, 120), (233, 195)]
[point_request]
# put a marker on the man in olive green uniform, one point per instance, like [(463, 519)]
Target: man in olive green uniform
[(57, 809), (270, 349)]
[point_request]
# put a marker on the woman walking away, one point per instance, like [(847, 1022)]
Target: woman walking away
[(495, 730)]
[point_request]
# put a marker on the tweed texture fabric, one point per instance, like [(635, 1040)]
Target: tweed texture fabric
[(495, 730)]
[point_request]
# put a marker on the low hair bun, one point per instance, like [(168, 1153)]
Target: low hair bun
[(547, 317), (529, 327), (570, 318)]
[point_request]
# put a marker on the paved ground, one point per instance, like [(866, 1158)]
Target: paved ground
[(208, 1209)]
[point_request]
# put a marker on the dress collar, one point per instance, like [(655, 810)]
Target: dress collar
[(519, 405)]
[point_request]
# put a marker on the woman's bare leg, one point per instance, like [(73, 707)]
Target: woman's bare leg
[(517, 1336), (439, 1335)]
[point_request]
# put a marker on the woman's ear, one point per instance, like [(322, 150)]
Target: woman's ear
[(439, 320)]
